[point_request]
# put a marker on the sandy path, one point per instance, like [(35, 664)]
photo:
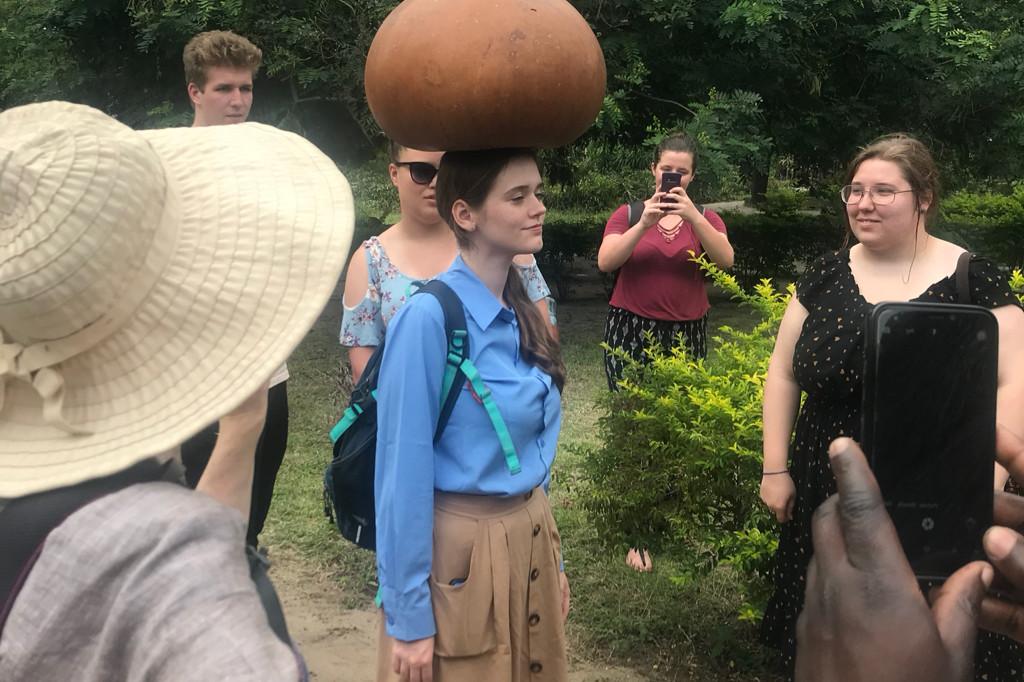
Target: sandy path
[(340, 644)]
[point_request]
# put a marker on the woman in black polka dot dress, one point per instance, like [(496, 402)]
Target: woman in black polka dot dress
[(819, 352)]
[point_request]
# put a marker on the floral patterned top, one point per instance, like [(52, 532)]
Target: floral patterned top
[(388, 289)]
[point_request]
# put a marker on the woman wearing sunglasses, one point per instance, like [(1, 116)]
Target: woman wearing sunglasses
[(891, 195), (468, 553), (387, 269)]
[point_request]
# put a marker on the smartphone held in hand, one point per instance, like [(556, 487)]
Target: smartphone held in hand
[(929, 416), (670, 180)]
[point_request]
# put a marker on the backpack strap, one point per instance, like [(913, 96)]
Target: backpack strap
[(258, 567), (459, 369), (458, 348), (963, 286), (634, 211), (504, 437), (26, 522)]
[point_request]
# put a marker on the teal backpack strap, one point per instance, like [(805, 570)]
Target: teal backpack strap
[(459, 368), (348, 418), (457, 353), (484, 393)]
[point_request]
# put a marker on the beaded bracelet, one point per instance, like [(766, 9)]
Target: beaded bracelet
[(774, 473)]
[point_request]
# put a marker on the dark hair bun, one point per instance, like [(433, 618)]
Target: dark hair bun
[(465, 74)]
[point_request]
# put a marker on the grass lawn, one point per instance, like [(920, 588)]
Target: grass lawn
[(661, 626)]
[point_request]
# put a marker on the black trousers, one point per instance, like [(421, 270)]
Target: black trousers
[(196, 451), (624, 329)]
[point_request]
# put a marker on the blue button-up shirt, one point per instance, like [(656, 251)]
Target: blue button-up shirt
[(468, 457)]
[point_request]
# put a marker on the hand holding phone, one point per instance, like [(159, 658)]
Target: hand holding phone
[(670, 180)]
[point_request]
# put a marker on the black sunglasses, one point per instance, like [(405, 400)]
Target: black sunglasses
[(421, 172)]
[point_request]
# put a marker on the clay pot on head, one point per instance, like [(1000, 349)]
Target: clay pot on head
[(480, 74)]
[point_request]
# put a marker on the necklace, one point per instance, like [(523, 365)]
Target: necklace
[(669, 233)]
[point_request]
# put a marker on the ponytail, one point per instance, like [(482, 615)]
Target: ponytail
[(538, 346)]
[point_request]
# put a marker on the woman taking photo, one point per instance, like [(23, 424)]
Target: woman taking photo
[(892, 193), (659, 289), (468, 553)]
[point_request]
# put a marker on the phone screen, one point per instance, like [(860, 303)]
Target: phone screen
[(670, 179), (929, 416)]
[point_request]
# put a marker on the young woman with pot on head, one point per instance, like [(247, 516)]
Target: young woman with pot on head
[(892, 193), (659, 289), (387, 269), (468, 553)]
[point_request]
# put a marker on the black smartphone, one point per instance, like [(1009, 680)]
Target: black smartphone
[(929, 420), (670, 179)]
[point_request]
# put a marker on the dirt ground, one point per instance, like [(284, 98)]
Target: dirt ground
[(340, 645)]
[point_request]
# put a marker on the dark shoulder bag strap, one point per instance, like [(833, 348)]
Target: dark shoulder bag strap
[(458, 346), (258, 566), (634, 211), (963, 285), (25, 522)]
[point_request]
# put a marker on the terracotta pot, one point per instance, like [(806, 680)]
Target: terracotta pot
[(480, 74)]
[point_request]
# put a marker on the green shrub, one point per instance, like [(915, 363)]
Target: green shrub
[(597, 176), (376, 198), (1017, 284), (777, 246), (988, 223), (678, 467), (985, 208), (568, 235), (784, 200)]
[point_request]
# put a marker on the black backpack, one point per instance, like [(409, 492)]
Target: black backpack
[(349, 478)]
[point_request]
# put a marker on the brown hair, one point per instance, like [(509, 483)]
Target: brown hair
[(394, 150), (913, 159), (218, 48), (470, 176), (677, 142)]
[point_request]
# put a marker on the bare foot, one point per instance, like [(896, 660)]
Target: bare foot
[(639, 560)]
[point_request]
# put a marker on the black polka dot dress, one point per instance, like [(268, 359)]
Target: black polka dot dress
[(827, 364)]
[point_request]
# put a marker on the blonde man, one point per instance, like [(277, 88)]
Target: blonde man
[(219, 70)]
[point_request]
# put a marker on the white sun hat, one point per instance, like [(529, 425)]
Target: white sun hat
[(149, 281)]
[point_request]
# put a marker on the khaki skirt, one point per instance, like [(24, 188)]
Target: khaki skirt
[(494, 585)]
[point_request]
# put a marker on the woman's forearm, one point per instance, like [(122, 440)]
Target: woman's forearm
[(358, 356), (617, 248), (781, 401), (229, 473), (716, 244)]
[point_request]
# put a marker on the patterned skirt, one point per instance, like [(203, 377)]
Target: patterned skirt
[(625, 330)]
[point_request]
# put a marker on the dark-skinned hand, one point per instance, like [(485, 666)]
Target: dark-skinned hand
[(864, 616)]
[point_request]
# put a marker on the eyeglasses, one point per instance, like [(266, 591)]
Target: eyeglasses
[(852, 194), (421, 172)]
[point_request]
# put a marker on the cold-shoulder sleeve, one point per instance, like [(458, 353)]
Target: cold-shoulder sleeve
[(363, 324), (989, 286), (819, 276)]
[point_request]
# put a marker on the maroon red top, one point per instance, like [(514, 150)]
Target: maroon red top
[(658, 280)]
